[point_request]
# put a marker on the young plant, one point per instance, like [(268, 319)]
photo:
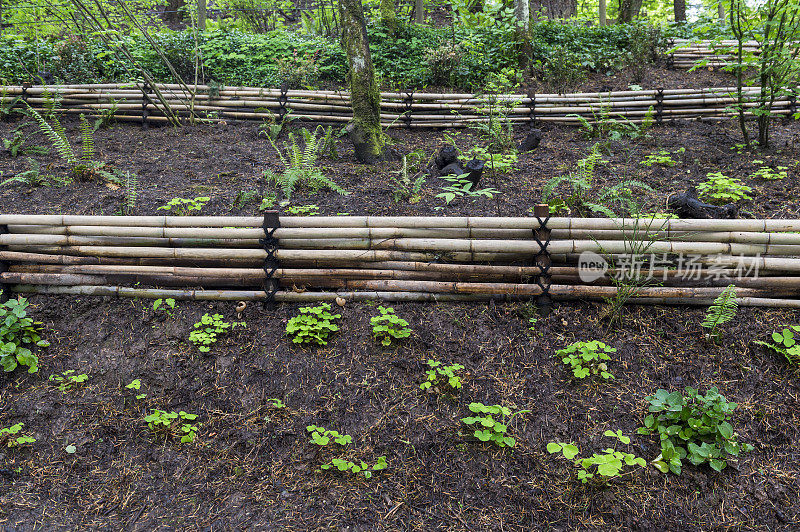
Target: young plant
[(784, 342), (303, 210), (322, 436), (389, 326), (361, 468), (136, 385), (209, 329), (768, 174), (273, 124), (184, 206), (487, 428), (587, 359), (722, 311), (14, 437), (68, 380), (173, 424), (404, 186), (313, 325), (460, 187), (17, 332), (605, 466), (167, 306), (442, 377), (693, 426), (720, 189), (661, 158)]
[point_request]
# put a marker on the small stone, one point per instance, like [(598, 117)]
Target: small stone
[(340, 301)]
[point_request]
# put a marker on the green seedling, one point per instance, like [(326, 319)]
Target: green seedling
[(173, 424), (14, 437), (322, 436), (587, 359), (208, 330), (68, 380), (389, 326), (313, 325), (442, 377)]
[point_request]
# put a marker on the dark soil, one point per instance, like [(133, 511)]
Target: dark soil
[(226, 160), (252, 466)]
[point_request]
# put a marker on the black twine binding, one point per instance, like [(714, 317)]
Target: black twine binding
[(270, 224), (282, 100), (544, 270), (659, 105), (408, 101), (532, 110)]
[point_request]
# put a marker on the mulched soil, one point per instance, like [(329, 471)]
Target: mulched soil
[(252, 465)]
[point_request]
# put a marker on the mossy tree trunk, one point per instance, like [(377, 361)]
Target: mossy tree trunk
[(365, 128), (679, 7), (389, 15), (629, 10), (522, 11)]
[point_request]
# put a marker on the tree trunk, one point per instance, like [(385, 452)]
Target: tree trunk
[(201, 14), (629, 10), (679, 7), (522, 11), (389, 15), (419, 11), (602, 12), (365, 128), (721, 11), (171, 11), (555, 8)]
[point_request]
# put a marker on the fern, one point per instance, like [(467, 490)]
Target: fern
[(87, 142), (55, 134), (300, 163), (722, 311), (131, 192)]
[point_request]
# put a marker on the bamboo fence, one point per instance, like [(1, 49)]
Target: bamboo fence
[(717, 54), (314, 258), (135, 102)]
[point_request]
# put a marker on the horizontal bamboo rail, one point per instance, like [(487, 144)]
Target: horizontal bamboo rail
[(398, 109)]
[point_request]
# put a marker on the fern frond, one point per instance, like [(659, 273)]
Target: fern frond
[(87, 141), (54, 133), (723, 310)]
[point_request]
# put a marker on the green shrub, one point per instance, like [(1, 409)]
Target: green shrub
[(720, 189), (17, 331), (173, 424), (607, 464), (209, 329), (489, 429), (322, 436), (313, 325), (442, 377), (693, 426), (389, 326), (587, 359)]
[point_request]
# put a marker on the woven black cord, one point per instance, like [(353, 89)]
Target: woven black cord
[(282, 100), (543, 277), (408, 101), (532, 110), (793, 103), (270, 244), (145, 99), (659, 105)]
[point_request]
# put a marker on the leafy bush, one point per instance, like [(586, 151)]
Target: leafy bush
[(768, 174), (16, 331), (389, 326), (784, 342), (440, 376), (693, 426), (662, 158), (721, 189), (587, 359), (487, 427), (209, 329), (173, 424), (313, 325), (608, 464)]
